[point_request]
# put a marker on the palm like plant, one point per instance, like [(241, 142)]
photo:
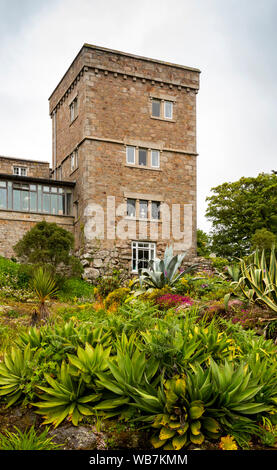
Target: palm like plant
[(44, 287)]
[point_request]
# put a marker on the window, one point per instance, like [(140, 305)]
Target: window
[(35, 198), (130, 155), (20, 170), (146, 209), (142, 253), (143, 209), (162, 109), (73, 108), (142, 160), (142, 157), (168, 109), (74, 160), (155, 210), (131, 207), (156, 108)]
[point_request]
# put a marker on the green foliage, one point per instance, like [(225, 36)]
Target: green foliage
[(203, 244), (259, 280), (163, 272), (27, 440), (65, 397), (15, 374), (48, 244), (263, 239), (237, 210), (75, 289)]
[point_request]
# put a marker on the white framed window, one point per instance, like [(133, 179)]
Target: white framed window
[(142, 157), (130, 155), (146, 209), (168, 109), (155, 210), (162, 109), (155, 158), (142, 253), (143, 209), (20, 170), (73, 109)]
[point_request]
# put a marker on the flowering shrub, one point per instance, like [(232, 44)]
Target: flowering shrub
[(173, 300)]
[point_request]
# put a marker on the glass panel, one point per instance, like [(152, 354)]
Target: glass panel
[(23, 171), (33, 201), (142, 157), (46, 189), (25, 200), (39, 199), (61, 204), (143, 205), (3, 184), (155, 158), (155, 210), (46, 203), (16, 199), (10, 193), (156, 108), (61, 190), (68, 203), (16, 170), (3, 198), (54, 203), (130, 155), (54, 189), (131, 207), (33, 187), (168, 109)]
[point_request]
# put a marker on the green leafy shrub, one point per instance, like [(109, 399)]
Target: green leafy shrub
[(76, 289), (27, 440)]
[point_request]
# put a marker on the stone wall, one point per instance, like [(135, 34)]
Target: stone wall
[(34, 168), (13, 225)]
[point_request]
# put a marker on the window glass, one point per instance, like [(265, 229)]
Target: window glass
[(155, 210), (156, 108), (46, 202), (130, 155), (33, 201), (25, 200), (3, 198), (46, 189), (143, 205), (10, 192), (68, 203), (54, 203), (142, 253), (131, 207), (168, 109), (3, 184), (142, 157), (155, 158), (16, 199)]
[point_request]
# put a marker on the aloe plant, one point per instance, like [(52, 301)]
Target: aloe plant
[(163, 272)]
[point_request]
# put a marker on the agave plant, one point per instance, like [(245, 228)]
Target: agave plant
[(44, 287), (178, 421), (89, 361), (66, 397), (258, 281), (163, 272), (16, 372)]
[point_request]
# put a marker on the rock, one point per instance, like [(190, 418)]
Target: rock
[(75, 437), (91, 273), (97, 263)]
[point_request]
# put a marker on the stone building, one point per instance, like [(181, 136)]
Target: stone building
[(123, 175)]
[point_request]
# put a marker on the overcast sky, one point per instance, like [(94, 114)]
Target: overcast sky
[(232, 42)]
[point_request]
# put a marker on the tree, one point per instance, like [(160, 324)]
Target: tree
[(263, 239), (238, 209), (48, 244), (203, 243)]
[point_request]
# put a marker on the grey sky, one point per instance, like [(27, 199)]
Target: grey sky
[(233, 42)]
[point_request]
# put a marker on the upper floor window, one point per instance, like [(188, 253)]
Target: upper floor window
[(20, 170), (144, 209), (74, 160), (162, 109), (73, 107), (142, 157)]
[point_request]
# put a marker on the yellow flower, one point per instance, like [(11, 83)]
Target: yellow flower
[(228, 443)]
